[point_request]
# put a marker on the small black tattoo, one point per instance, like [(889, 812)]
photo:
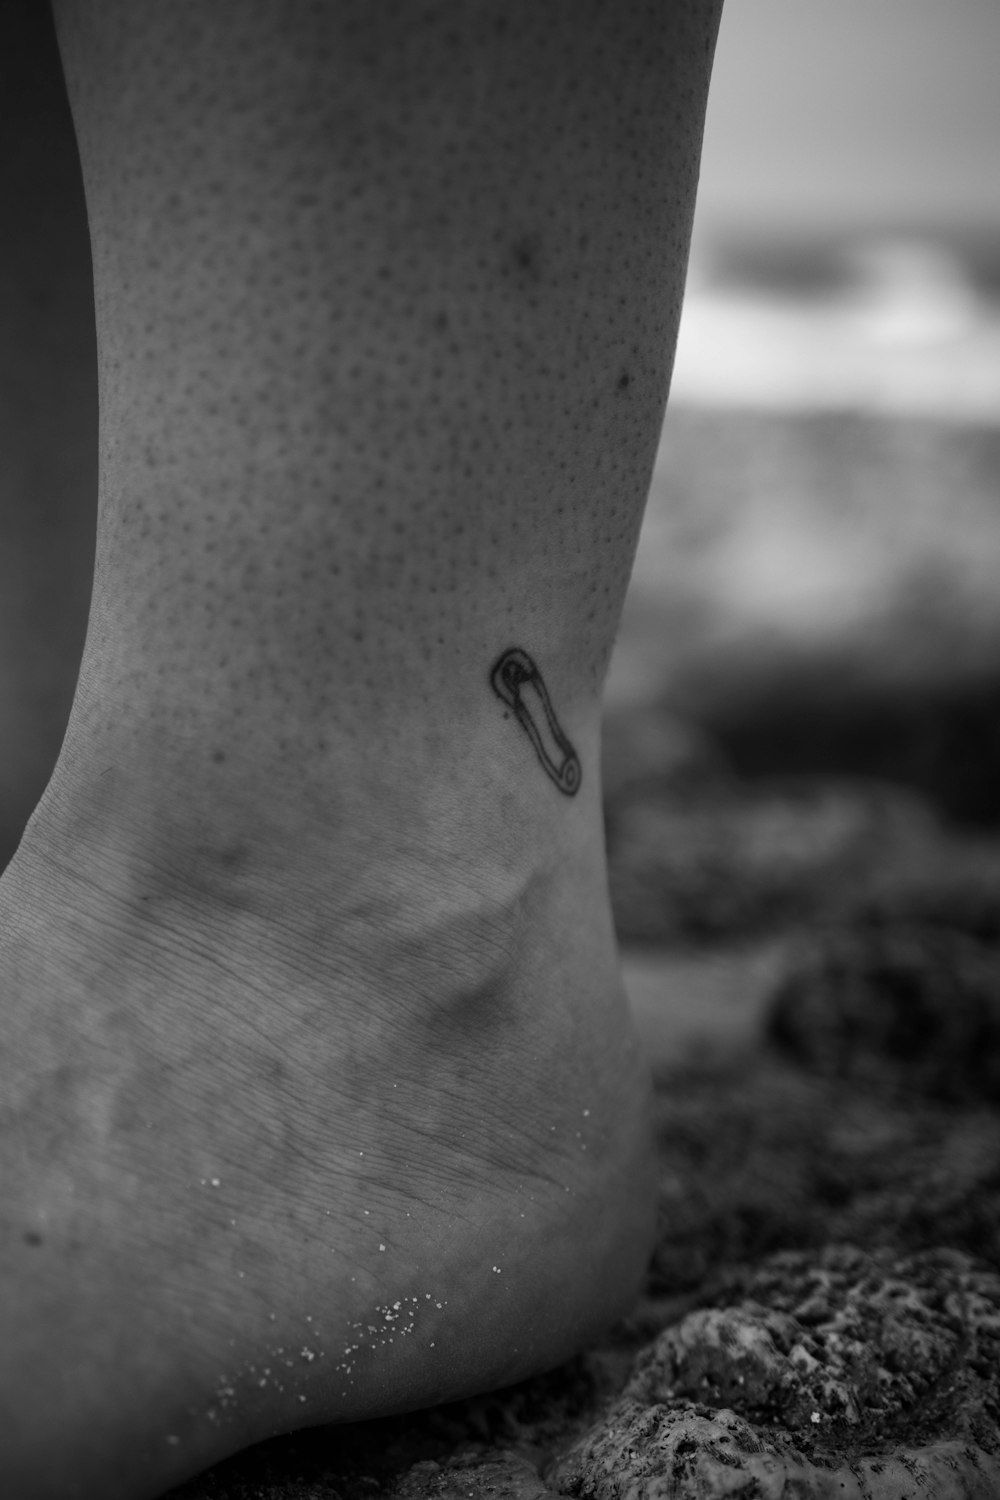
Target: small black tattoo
[(517, 681)]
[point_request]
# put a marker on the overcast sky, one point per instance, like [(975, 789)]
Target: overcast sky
[(874, 111)]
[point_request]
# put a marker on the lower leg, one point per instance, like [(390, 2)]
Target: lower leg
[(308, 953)]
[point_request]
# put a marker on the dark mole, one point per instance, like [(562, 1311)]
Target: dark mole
[(525, 253), (32, 1237), (219, 756), (624, 380)]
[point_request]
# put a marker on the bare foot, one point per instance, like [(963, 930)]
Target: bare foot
[(309, 1115)]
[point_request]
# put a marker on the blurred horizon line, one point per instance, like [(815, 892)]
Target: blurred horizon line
[(898, 322)]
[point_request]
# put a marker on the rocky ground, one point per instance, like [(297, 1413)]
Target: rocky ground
[(822, 1313)]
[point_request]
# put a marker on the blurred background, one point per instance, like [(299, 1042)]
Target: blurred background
[(818, 582)]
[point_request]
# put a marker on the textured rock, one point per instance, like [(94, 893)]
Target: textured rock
[(812, 1377), (655, 1453), (843, 1348)]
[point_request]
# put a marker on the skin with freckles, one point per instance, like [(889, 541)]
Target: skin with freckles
[(386, 300), (319, 1070)]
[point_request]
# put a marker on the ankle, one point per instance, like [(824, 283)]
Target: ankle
[(474, 862), (441, 792)]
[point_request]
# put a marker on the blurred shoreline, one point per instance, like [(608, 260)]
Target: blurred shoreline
[(901, 322), (816, 578)]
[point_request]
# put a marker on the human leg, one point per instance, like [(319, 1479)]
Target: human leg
[(311, 975)]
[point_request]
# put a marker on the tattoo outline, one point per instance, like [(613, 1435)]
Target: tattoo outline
[(517, 681)]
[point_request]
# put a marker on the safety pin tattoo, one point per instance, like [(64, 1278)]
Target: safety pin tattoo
[(517, 681)]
